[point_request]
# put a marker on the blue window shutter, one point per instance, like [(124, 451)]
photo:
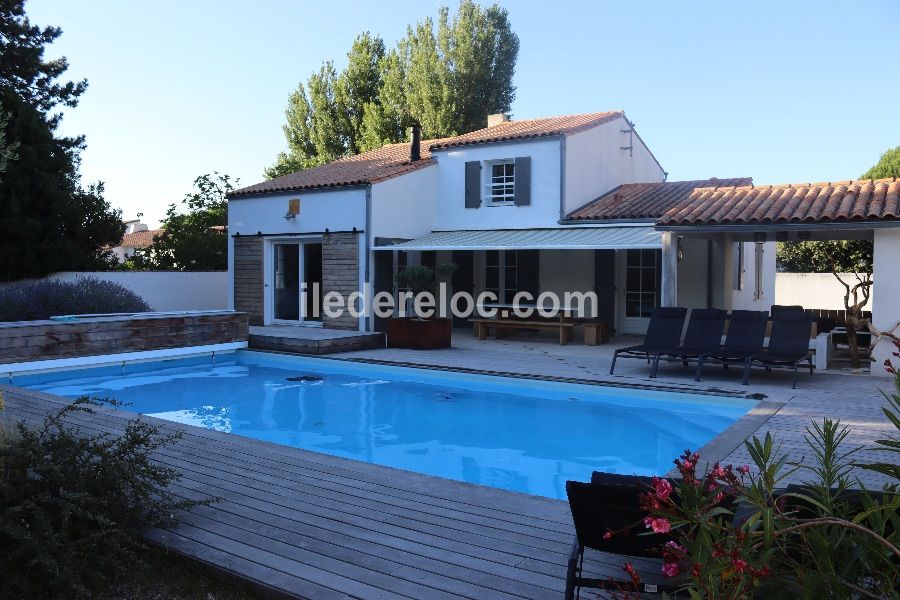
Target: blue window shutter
[(523, 180), (473, 184)]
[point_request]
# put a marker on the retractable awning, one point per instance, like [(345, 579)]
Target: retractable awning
[(575, 238)]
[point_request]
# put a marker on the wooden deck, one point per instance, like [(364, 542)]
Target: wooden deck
[(301, 524)]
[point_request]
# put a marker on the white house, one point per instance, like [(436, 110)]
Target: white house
[(137, 235), (554, 204), (494, 202)]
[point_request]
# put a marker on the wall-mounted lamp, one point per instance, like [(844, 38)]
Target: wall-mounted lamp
[(680, 250), (293, 209)]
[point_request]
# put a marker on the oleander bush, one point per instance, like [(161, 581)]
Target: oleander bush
[(73, 503), (42, 299), (741, 532)]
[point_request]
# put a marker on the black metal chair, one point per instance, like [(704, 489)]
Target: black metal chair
[(704, 331), (664, 331), (743, 342), (788, 343), (612, 503)]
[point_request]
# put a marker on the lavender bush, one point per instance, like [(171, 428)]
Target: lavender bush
[(32, 300)]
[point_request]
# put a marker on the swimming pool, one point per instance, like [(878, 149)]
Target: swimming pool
[(517, 434)]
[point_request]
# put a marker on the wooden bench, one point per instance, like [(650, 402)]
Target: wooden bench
[(506, 327)]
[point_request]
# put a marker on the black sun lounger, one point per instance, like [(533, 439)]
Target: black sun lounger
[(744, 341), (663, 332), (612, 503), (704, 332), (789, 342)]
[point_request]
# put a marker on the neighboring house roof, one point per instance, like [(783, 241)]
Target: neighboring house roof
[(531, 128), (139, 239), (828, 202), (393, 160), (646, 200)]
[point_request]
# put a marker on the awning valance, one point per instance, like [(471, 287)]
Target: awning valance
[(572, 238)]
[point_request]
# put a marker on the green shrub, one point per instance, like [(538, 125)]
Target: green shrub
[(825, 538), (33, 300), (72, 505)]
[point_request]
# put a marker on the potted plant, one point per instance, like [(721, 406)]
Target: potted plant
[(417, 332)]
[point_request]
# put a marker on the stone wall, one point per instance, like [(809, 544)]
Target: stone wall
[(25, 341), (340, 273), (248, 277)]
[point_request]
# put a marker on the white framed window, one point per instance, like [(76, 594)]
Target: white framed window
[(499, 185), (501, 274), (642, 282)]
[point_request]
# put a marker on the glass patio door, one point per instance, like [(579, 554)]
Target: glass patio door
[(297, 282)]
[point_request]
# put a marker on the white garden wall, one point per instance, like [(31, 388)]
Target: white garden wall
[(885, 295), (812, 290), (167, 290)]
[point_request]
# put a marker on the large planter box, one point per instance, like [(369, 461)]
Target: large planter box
[(419, 334)]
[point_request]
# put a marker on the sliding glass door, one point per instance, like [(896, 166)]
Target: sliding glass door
[(297, 293)]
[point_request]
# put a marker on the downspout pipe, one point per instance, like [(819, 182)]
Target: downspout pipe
[(562, 178), (709, 273), (367, 236)]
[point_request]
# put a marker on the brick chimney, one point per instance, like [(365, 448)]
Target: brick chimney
[(415, 152), (497, 119)]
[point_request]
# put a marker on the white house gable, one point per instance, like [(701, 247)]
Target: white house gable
[(603, 157)]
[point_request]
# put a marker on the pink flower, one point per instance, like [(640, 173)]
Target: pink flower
[(607, 535), (663, 488), (744, 469), (658, 524), (739, 565), (670, 569), (672, 551), (718, 472)]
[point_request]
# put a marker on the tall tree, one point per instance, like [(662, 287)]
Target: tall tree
[(314, 125), (195, 239), (480, 51), (7, 148), (887, 166), (385, 118), (447, 78), (50, 222), (358, 86)]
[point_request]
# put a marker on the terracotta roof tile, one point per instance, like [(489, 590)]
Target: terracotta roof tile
[(139, 239), (369, 167), (826, 202), (530, 128), (393, 160), (646, 200)]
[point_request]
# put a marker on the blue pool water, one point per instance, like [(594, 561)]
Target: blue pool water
[(522, 435)]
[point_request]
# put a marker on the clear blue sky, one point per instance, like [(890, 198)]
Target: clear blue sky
[(780, 91)]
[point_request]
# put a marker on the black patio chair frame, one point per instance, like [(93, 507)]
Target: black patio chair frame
[(664, 331), (743, 342), (610, 502), (788, 343), (704, 331)]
